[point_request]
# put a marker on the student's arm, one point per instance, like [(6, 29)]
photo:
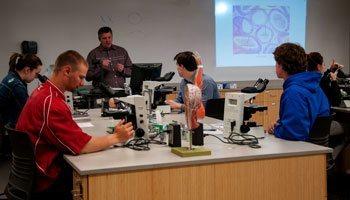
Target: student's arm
[(65, 134), (177, 103), (122, 133), (174, 104), (294, 119)]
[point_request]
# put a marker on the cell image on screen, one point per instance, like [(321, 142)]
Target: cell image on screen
[(248, 31), (259, 29)]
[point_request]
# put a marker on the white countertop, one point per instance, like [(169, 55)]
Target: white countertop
[(124, 159)]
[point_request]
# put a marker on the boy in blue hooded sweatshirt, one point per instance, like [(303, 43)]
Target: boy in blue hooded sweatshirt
[(302, 100)]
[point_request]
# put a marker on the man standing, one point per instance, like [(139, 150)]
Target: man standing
[(108, 63), (302, 100), (48, 121)]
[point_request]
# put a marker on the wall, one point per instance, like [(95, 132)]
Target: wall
[(153, 30)]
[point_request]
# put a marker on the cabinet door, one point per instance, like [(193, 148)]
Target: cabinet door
[(272, 95)]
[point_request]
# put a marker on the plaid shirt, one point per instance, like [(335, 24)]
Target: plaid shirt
[(111, 76)]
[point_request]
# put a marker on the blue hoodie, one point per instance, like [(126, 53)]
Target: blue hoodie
[(302, 101)]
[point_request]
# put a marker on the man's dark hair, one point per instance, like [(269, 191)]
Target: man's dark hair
[(187, 60), (104, 29), (291, 57), (314, 59)]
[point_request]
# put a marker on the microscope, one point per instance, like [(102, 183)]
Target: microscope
[(134, 110), (344, 85), (237, 112), (155, 93)]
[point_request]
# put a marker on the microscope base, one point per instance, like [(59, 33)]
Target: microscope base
[(258, 132)]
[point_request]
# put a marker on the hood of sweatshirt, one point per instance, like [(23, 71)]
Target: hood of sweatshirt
[(307, 80)]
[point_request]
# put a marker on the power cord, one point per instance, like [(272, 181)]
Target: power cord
[(154, 141), (138, 144), (78, 113), (249, 140), (85, 112), (142, 144), (223, 141)]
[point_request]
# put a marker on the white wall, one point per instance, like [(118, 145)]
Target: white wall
[(328, 29), (153, 30)]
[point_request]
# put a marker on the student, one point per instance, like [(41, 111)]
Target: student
[(328, 81), (302, 100), (48, 121), (187, 64), (108, 63), (13, 88), (331, 89)]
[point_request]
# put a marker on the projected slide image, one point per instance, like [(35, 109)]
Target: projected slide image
[(248, 31), (259, 29)]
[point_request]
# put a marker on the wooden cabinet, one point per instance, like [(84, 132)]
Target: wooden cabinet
[(271, 99), (242, 179)]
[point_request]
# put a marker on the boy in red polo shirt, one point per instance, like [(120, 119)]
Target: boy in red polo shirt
[(48, 121)]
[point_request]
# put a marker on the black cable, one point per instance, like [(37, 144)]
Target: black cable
[(154, 141), (84, 112), (80, 113), (138, 144), (226, 142), (249, 140)]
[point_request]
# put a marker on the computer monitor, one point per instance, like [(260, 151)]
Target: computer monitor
[(143, 72)]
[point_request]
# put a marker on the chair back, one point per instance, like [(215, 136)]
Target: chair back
[(22, 168), (319, 133), (215, 108)]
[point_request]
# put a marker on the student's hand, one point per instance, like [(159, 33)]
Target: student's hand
[(332, 64), (123, 132), (120, 67), (335, 65), (271, 128), (173, 104), (198, 58), (105, 63), (333, 76)]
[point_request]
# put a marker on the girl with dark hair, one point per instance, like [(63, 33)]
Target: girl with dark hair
[(13, 88), (328, 81)]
